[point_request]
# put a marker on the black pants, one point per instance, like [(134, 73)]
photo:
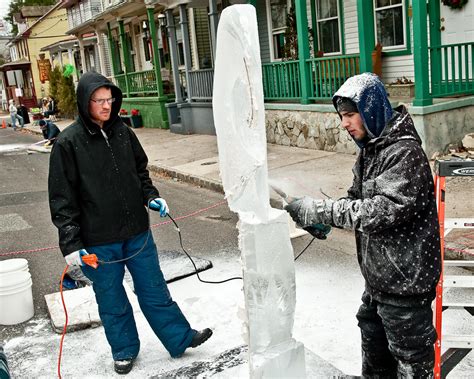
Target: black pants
[(397, 342)]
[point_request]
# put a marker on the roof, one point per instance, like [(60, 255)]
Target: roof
[(35, 10), (49, 9), (66, 41)]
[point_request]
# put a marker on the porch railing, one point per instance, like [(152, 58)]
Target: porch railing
[(142, 82), (201, 82), (328, 74), (452, 69), (281, 80)]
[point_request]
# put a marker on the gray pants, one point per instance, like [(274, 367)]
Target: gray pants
[(397, 342)]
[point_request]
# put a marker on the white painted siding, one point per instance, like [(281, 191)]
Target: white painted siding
[(263, 32), (397, 67), (107, 57), (351, 33), (458, 28)]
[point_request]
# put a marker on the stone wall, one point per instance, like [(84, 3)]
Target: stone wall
[(444, 128), (310, 130)]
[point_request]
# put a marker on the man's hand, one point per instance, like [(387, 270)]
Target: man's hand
[(320, 231), (74, 259), (159, 205), (306, 212)]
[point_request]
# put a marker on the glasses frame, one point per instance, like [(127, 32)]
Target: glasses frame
[(102, 102)]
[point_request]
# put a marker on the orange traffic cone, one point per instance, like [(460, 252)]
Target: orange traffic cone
[(4, 126)]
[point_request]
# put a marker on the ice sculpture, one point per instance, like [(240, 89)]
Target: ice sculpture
[(267, 254)]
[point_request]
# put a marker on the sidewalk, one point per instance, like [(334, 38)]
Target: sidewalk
[(194, 158)]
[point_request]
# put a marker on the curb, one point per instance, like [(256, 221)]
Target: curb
[(188, 178), (180, 175)]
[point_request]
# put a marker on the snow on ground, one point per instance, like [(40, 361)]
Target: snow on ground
[(328, 292)]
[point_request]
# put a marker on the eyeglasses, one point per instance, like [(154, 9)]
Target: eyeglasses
[(102, 101)]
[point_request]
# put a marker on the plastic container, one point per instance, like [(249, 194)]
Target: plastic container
[(13, 265), (16, 298)]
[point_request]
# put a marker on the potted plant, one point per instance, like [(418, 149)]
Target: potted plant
[(136, 119)]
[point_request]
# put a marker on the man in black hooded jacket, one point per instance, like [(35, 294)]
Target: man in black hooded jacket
[(392, 209), (99, 187)]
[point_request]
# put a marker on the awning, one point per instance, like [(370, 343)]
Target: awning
[(61, 45), (16, 65)]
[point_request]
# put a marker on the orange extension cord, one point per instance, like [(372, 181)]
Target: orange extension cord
[(65, 322)]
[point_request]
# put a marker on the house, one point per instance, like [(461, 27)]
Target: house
[(308, 49), (120, 39), (336, 39), (341, 41), (27, 75)]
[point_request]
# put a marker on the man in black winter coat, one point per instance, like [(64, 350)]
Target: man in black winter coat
[(50, 131), (99, 188), (392, 209)]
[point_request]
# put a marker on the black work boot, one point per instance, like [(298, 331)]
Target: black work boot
[(200, 337), (123, 366)]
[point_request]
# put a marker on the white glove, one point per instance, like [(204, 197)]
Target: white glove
[(74, 259), (159, 205)]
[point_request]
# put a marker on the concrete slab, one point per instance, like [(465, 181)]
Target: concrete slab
[(81, 304), (333, 176), (81, 308)]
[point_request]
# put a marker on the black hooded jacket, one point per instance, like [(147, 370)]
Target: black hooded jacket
[(391, 204), (98, 187)]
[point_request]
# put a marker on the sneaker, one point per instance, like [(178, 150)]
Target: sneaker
[(200, 337), (123, 366)]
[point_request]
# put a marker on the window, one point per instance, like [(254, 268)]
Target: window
[(390, 23), (277, 11), (328, 24)]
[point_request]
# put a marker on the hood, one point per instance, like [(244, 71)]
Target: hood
[(400, 127), (88, 83), (368, 93)]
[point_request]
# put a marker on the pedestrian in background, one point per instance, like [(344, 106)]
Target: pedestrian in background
[(14, 115), (50, 131), (391, 207), (99, 188)]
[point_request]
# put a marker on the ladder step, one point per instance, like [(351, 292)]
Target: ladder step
[(458, 305), (458, 341), (458, 281), (459, 263), (459, 223)]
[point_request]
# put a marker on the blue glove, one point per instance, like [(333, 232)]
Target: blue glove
[(74, 259), (159, 205)]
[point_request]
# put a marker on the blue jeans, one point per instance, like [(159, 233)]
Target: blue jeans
[(161, 312), (14, 118)]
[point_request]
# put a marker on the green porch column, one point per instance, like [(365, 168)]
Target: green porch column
[(365, 21), (125, 55), (162, 98), (112, 50), (420, 54), (303, 48), (435, 40)]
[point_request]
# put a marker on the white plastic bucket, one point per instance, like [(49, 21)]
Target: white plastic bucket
[(13, 265), (16, 298)]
